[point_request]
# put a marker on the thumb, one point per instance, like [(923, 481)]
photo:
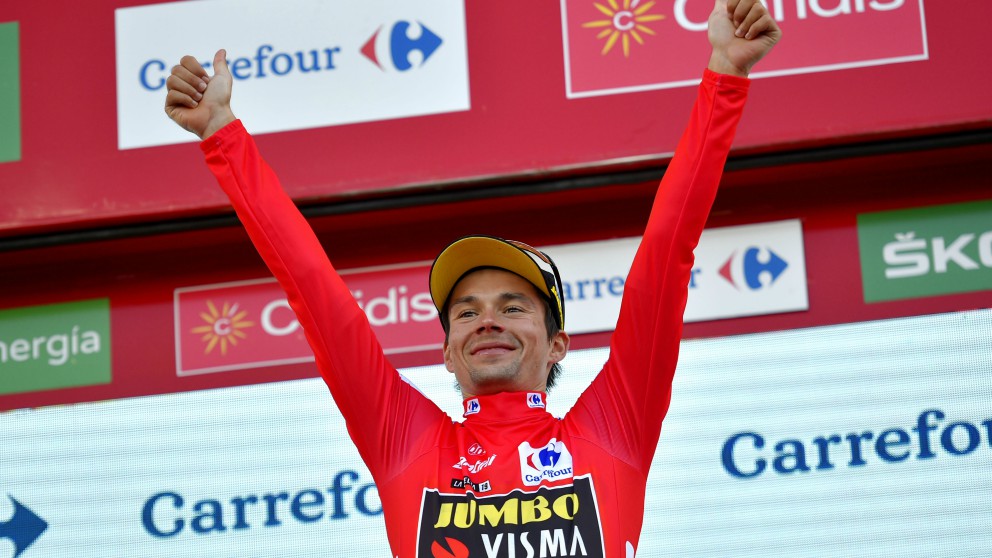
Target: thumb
[(220, 63)]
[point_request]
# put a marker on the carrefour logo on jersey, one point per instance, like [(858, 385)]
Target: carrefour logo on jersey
[(550, 462), (328, 63)]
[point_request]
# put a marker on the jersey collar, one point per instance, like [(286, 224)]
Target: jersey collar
[(504, 406)]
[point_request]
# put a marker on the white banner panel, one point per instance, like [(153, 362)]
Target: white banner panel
[(296, 63), (870, 439), (746, 270)]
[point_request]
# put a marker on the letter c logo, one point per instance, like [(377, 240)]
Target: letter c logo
[(728, 455)]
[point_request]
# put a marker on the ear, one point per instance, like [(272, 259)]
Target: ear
[(448, 362), (559, 347)]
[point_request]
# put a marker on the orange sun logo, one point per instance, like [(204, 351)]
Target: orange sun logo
[(624, 23), (222, 327)]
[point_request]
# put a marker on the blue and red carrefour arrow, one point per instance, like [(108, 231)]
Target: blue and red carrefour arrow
[(23, 528)]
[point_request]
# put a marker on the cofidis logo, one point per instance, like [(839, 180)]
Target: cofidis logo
[(618, 46), (329, 63), (249, 324)]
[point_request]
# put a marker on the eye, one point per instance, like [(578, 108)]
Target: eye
[(514, 309), (465, 314)]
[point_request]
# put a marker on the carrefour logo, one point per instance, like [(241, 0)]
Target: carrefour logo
[(392, 50), (399, 47), (169, 513), (328, 63), (551, 462), (534, 401), (753, 268), (23, 527), (749, 454), (748, 270)]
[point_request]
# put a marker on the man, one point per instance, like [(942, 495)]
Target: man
[(511, 480)]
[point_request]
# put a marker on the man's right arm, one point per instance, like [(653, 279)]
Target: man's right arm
[(379, 406)]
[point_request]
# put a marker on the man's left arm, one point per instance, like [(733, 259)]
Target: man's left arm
[(629, 399)]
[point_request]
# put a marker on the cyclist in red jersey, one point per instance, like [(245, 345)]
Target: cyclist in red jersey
[(510, 479)]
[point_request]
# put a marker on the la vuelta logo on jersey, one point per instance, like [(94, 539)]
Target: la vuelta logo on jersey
[(560, 521)]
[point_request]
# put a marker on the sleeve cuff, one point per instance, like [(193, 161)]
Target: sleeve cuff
[(726, 80), (232, 128)]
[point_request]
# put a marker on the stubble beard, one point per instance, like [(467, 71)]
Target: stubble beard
[(494, 375)]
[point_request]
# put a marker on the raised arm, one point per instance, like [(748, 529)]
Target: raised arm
[(384, 414), (629, 399)]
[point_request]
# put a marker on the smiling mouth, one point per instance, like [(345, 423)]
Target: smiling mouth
[(492, 349)]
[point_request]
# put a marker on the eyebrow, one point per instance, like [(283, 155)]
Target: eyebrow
[(504, 297)]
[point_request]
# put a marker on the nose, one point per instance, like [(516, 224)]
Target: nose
[(490, 321)]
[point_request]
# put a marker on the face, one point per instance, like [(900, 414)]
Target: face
[(497, 340)]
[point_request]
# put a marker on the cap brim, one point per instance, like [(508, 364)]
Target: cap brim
[(471, 252)]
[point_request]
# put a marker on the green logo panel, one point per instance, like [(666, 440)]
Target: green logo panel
[(55, 346), (10, 94), (928, 251)]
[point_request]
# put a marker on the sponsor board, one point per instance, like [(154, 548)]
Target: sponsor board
[(10, 93), (55, 346), (326, 63), (927, 251), (745, 270), (633, 45), (250, 324), (740, 271)]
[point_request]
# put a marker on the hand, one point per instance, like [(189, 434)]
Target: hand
[(741, 32), (196, 101)]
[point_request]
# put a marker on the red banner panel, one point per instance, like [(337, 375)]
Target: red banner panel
[(353, 99), (633, 45)]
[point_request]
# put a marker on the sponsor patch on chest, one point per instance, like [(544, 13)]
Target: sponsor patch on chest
[(551, 462), (551, 521)]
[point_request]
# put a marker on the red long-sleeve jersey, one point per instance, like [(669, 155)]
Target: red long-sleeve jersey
[(511, 479)]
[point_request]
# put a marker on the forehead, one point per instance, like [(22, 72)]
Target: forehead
[(492, 281)]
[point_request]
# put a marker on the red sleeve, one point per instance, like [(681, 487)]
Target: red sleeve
[(626, 403), (385, 415)]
